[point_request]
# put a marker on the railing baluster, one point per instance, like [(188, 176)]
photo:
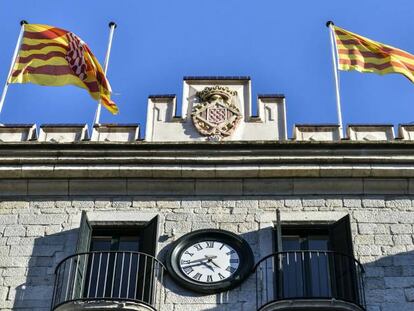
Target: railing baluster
[(68, 281), (99, 274), (151, 282), (154, 293), (129, 274), (76, 277), (85, 264), (143, 282), (106, 275), (137, 276), (319, 274), (122, 274), (113, 276), (90, 276)]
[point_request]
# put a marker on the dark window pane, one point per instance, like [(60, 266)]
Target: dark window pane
[(291, 243), (306, 274), (130, 244), (318, 243), (101, 244)]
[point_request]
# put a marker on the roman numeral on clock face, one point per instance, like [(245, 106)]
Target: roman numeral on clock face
[(188, 270), (197, 276), (210, 244), (230, 269), (221, 276), (198, 247), (209, 278)]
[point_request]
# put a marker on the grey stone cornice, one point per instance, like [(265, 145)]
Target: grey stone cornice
[(207, 160)]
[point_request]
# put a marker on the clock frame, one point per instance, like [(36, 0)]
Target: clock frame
[(227, 280)]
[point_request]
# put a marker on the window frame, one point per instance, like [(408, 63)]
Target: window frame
[(344, 245), (147, 231)]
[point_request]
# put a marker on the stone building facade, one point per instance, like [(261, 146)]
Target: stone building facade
[(238, 182)]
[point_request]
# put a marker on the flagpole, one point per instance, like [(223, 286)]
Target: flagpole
[(330, 24), (16, 50), (112, 26)]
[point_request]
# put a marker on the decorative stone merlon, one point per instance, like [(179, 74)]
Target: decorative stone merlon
[(115, 132), (321, 132), (17, 132), (63, 133), (370, 132), (406, 131), (221, 109)]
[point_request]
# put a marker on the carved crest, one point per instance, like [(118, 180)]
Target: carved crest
[(216, 116)]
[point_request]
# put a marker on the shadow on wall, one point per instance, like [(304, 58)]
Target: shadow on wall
[(35, 294), (389, 281), (389, 286)]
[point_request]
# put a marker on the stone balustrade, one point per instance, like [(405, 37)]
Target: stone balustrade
[(128, 133)]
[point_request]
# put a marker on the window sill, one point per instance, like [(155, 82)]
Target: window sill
[(102, 305), (311, 305)]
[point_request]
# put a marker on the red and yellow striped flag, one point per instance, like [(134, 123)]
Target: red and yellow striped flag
[(364, 55), (56, 57)]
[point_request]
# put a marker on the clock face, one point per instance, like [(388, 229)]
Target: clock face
[(209, 261)]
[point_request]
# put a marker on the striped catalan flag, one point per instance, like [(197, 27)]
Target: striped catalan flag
[(365, 55), (56, 57)]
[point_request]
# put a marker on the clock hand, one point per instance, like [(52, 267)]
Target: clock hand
[(202, 259), (215, 264), (210, 259), (208, 266)]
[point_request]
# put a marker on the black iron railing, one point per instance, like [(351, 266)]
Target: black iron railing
[(309, 275), (109, 276)]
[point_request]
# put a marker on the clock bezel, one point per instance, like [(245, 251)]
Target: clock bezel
[(235, 241)]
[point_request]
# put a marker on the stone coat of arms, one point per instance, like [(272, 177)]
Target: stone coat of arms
[(216, 116)]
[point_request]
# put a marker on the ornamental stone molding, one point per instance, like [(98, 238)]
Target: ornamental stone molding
[(216, 116)]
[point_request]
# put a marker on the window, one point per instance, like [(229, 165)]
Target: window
[(118, 260), (316, 261)]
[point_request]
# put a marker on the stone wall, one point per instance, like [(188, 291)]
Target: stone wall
[(37, 233)]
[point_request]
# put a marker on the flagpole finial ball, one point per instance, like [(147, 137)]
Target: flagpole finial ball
[(329, 23), (23, 22), (112, 24)]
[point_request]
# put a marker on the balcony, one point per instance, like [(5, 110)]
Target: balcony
[(309, 280), (108, 280)]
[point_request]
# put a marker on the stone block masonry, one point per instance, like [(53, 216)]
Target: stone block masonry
[(36, 234)]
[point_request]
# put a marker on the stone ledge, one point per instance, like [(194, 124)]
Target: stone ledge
[(311, 305), (104, 187), (103, 305), (183, 171)]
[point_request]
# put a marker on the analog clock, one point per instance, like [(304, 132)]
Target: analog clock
[(210, 261)]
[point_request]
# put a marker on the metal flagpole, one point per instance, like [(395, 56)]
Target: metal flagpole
[(112, 26), (16, 50), (330, 24)]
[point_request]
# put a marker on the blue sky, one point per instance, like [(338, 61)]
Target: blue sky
[(282, 45)]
